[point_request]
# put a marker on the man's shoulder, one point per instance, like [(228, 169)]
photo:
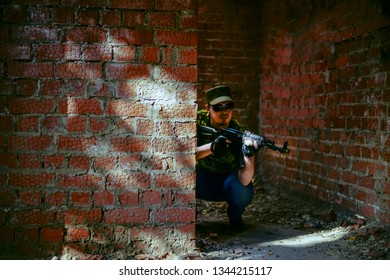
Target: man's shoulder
[(202, 117), (235, 124), (201, 112)]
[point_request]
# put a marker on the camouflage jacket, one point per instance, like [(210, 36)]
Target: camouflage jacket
[(215, 163)]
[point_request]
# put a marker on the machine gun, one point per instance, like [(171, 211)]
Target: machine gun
[(238, 138)]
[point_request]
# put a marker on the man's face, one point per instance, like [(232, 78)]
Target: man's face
[(220, 114)]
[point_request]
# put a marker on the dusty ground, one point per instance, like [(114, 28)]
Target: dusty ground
[(282, 225)]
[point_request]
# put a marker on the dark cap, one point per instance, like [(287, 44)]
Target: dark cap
[(218, 94)]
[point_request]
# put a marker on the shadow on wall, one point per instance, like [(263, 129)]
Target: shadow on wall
[(98, 167)]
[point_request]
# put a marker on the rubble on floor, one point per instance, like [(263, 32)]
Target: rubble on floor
[(357, 239)]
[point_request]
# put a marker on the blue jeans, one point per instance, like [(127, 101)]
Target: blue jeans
[(224, 187)]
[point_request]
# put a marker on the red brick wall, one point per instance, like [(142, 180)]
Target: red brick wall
[(229, 53), (325, 87), (97, 127)]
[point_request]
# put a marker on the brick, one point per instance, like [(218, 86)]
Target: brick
[(175, 180), (131, 144), (82, 199), (80, 106), (31, 70), (124, 53), (133, 18), (27, 235), (7, 233), (126, 108), (184, 199), (82, 182), (151, 198), (31, 180), (139, 4), (62, 15), (14, 14), (79, 162), (175, 38), (51, 87), (55, 198), (54, 161), (77, 234), (15, 52), (128, 198), (134, 180), (185, 162), (367, 182), (359, 166), (169, 56), (6, 123), (97, 125), (111, 18), (87, 17), (167, 128), (188, 21), (133, 215), (127, 71), (27, 124), (7, 197), (174, 215), (82, 217), (69, 143), (80, 70), (31, 106), (145, 127), (30, 143), (99, 88), (179, 74), (104, 198), (31, 217), (130, 162), (188, 57), (162, 20), (151, 54), (76, 124), (105, 163), (30, 161), (40, 15), (34, 34), (30, 198), (49, 234), (105, 234), (49, 52), (8, 160), (172, 145), (98, 52), (178, 111), (131, 37), (27, 87), (176, 5), (85, 35)]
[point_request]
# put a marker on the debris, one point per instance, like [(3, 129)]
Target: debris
[(328, 215), (376, 254), (360, 240)]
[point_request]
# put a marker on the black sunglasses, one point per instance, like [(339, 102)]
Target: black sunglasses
[(220, 107)]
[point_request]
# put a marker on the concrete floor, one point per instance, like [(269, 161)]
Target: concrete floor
[(272, 242)]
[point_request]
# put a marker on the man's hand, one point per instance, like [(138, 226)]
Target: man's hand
[(219, 145), (249, 147)]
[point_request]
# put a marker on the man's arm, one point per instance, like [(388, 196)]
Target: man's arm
[(203, 151), (246, 174)]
